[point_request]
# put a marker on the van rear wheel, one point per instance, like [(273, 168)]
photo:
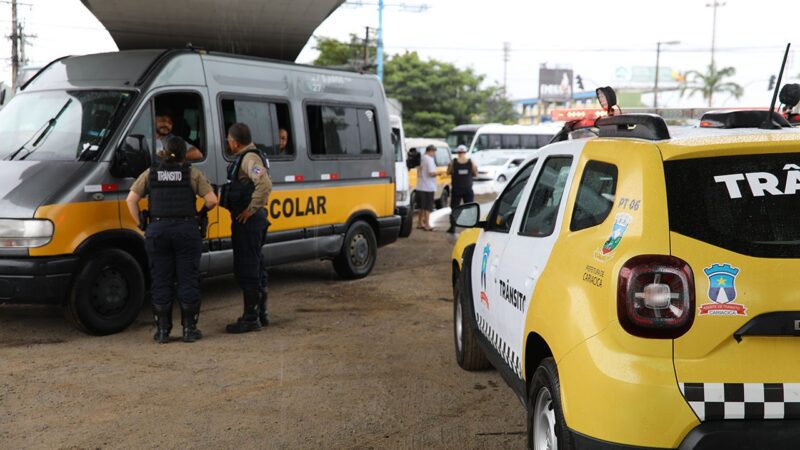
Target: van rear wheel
[(359, 252), (408, 222), (107, 293)]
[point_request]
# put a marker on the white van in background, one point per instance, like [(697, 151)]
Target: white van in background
[(402, 198), (492, 140)]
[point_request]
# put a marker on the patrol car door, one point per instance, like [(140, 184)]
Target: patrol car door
[(527, 250), (489, 250)]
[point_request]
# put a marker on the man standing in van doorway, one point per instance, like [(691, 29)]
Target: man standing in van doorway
[(462, 169), (426, 187), (245, 196)]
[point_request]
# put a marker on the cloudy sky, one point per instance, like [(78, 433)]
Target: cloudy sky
[(598, 39)]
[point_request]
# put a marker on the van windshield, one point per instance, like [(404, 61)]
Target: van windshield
[(59, 125)]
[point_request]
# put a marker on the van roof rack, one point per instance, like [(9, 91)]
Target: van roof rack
[(743, 118), (641, 126)]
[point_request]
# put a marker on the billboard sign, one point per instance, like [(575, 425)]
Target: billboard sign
[(555, 85)]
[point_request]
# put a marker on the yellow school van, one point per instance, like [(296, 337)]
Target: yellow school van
[(636, 289), (75, 137)]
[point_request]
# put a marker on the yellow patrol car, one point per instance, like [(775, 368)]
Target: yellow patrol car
[(637, 289)]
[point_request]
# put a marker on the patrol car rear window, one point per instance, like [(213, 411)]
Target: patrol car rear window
[(746, 204), (595, 195)]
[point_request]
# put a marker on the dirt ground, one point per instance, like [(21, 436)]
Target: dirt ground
[(345, 364)]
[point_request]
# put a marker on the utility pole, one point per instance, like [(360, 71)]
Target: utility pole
[(506, 58), (658, 68), (14, 45), (714, 7), (366, 49), (380, 41)]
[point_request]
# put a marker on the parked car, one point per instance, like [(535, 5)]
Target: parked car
[(637, 290), (499, 169)]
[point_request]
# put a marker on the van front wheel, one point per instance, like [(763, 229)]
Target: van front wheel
[(107, 293), (359, 252)]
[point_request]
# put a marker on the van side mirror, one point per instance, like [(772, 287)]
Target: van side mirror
[(467, 216), (131, 158)]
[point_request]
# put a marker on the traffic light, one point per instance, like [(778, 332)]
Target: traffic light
[(771, 83), (579, 81)]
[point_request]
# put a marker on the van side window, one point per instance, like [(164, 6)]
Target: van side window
[(595, 195), (542, 210), (143, 127), (256, 115), (342, 130), (502, 214)]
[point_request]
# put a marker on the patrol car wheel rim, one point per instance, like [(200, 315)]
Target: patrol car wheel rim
[(110, 292), (359, 250), (459, 327), (544, 421)]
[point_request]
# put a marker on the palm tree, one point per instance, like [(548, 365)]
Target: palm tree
[(711, 82)]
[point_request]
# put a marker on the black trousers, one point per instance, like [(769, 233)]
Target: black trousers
[(173, 250), (249, 269), (459, 196)]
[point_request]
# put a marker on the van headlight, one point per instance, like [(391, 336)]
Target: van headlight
[(25, 233)]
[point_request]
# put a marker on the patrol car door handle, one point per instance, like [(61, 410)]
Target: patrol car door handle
[(534, 274)]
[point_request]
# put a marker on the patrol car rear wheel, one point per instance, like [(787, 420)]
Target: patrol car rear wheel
[(108, 293), (547, 429), (468, 353), (359, 252)]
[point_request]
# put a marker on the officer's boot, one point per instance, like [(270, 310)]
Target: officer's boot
[(190, 313), (163, 318), (249, 320), (263, 314)]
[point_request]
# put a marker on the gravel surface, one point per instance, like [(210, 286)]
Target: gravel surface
[(345, 364)]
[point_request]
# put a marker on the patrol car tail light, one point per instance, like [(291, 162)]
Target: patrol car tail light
[(655, 297), (17, 233)]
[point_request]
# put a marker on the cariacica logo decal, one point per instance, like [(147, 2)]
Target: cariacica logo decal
[(621, 222), (484, 265), (722, 291)]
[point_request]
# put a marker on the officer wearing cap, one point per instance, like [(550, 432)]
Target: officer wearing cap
[(172, 239), (244, 196)]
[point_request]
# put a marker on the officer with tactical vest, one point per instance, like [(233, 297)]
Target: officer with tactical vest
[(172, 238), (245, 196)]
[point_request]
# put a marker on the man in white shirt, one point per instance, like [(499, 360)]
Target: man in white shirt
[(426, 187)]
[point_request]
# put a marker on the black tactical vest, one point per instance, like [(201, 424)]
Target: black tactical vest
[(171, 193), (462, 175), (236, 195)]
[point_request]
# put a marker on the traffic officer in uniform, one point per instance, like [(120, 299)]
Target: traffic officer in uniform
[(245, 196), (172, 239)]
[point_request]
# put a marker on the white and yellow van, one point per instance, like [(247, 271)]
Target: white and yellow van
[(636, 289), (75, 136)]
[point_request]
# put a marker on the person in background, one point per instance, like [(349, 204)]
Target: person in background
[(426, 187), (172, 239), (462, 170), (283, 141)]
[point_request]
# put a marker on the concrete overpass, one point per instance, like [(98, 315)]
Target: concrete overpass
[(276, 29)]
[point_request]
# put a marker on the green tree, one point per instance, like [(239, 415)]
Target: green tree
[(436, 95), (711, 82)]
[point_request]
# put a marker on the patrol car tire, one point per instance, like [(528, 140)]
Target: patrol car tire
[(469, 355), (359, 252), (545, 416), (107, 294)]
